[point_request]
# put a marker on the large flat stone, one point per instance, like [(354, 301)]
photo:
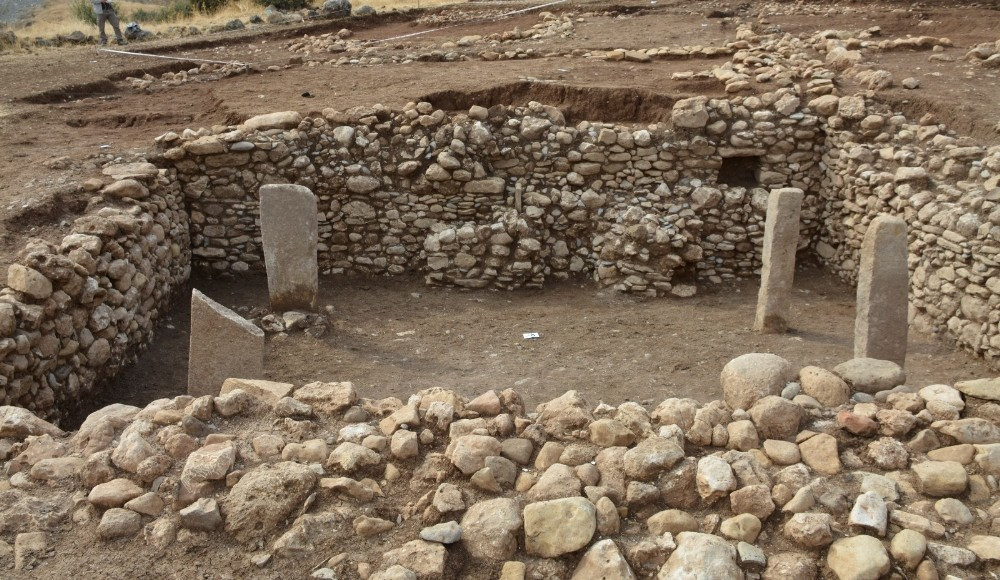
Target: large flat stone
[(781, 240), (881, 327), (988, 389), (268, 391), (223, 345), (290, 232)]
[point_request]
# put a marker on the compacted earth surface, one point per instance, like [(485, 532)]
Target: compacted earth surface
[(395, 337), (415, 432)]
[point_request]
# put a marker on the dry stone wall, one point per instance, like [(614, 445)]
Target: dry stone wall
[(508, 196), (804, 473), (74, 312), (946, 188)]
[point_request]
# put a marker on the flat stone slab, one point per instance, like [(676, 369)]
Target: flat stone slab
[(988, 389), (781, 240), (289, 228), (223, 345), (268, 391), (141, 170), (881, 326)]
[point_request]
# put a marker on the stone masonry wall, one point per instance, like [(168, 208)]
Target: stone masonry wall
[(507, 196), (74, 312), (946, 188)]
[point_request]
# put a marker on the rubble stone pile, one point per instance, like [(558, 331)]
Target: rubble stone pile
[(849, 473)]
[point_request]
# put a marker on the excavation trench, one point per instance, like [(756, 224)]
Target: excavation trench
[(614, 105), (632, 244)]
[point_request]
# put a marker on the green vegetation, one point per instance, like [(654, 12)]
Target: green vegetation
[(83, 11)]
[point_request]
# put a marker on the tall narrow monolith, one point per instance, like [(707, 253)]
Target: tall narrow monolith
[(223, 345), (781, 240), (880, 328), (290, 230)]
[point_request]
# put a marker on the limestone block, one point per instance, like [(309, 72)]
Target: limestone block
[(223, 345), (781, 239), (880, 328), (290, 230)]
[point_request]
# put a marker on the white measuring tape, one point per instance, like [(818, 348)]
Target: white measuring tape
[(169, 57)]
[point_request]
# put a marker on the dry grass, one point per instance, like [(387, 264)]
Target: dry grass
[(54, 17)]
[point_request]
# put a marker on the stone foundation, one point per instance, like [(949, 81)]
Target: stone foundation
[(507, 196), (75, 312), (283, 480)]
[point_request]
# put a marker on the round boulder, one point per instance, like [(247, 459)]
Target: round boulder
[(776, 417), (490, 529), (858, 558), (560, 526), (750, 377), (701, 557), (824, 386), (870, 375)]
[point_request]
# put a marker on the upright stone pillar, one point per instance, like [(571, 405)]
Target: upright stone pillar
[(781, 240), (223, 345), (290, 231), (883, 283)]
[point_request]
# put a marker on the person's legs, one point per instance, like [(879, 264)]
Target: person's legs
[(113, 19), (101, 20)]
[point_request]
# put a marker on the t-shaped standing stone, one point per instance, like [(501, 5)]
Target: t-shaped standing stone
[(223, 345), (290, 230), (781, 240), (883, 281)]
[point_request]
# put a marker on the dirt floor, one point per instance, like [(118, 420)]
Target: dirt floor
[(393, 337)]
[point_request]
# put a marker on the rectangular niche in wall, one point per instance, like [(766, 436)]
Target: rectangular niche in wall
[(739, 171)]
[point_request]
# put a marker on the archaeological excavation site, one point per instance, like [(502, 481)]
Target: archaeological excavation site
[(503, 290)]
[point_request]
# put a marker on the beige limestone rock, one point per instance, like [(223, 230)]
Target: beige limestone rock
[(941, 478), (327, 398), (560, 526), (824, 386), (742, 527), (781, 237), (908, 548), (28, 281), (603, 560), (820, 453), (264, 497), (701, 557), (114, 493), (280, 120), (750, 377), (858, 558), (988, 389), (222, 345), (268, 391), (671, 521), (490, 529)]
